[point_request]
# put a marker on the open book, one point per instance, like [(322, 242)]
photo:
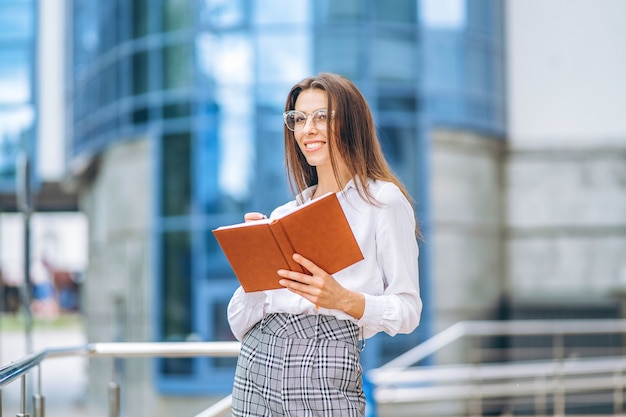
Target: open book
[(317, 230)]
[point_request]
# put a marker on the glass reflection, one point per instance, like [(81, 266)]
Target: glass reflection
[(223, 13), (16, 20), (176, 267), (332, 11), (283, 61), (226, 150), (342, 52), (176, 296), (176, 15), (292, 12), (176, 182), (140, 72), (225, 59), (140, 18), (177, 66), (403, 11), (15, 128), (14, 75), (395, 57)]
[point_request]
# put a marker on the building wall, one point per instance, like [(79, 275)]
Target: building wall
[(468, 270), (117, 287), (468, 255), (566, 73), (566, 170)]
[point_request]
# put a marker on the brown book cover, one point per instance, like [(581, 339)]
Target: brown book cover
[(317, 230)]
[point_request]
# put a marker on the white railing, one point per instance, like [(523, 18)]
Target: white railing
[(20, 369), (400, 382)]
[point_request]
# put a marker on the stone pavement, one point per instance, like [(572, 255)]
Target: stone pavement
[(64, 380)]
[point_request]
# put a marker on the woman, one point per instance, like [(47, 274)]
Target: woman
[(299, 354)]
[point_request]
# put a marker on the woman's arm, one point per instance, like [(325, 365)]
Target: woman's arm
[(398, 309), (244, 311)]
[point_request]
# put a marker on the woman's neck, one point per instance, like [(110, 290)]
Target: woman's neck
[(328, 184)]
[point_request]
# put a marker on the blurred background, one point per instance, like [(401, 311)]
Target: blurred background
[(129, 129)]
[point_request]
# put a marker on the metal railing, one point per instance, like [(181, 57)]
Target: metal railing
[(399, 381), (567, 369), (20, 369)]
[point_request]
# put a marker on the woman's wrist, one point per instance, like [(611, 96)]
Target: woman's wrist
[(354, 304)]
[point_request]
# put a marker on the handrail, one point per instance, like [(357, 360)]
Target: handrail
[(14, 370), (19, 368), (400, 381), (504, 328), (499, 371)]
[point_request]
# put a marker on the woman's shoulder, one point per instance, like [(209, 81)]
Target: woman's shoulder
[(386, 192)]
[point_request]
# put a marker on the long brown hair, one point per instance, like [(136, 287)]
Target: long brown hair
[(352, 137)]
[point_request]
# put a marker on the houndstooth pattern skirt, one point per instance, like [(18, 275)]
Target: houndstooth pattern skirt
[(299, 366)]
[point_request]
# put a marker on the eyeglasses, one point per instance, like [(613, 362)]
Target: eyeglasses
[(296, 120)]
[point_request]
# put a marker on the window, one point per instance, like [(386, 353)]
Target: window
[(176, 176), (176, 15), (177, 66)]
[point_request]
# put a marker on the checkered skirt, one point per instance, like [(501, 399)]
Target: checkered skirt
[(299, 365)]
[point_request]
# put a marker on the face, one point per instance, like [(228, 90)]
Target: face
[(312, 138)]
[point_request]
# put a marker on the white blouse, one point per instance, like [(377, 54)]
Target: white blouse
[(388, 275)]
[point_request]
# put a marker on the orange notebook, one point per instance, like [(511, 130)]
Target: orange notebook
[(317, 230)]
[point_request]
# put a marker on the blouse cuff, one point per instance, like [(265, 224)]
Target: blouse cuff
[(373, 313)]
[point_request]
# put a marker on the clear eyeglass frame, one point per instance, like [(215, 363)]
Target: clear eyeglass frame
[(296, 120)]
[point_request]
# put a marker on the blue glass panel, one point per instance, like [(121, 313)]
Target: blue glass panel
[(226, 59), (292, 12), (139, 23), (177, 62), (177, 15), (16, 20), (464, 66), (333, 11), (394, 56), (443, 15), (140, 72), (224, 152), (270, 182), (283, 58), (16, 126), (15, 63), (341, 52), (223, 14), (176, 181), (86, 35), (235, 138), (176, 292), (394, 102), (217, 266), (403, 11), (399, 145)]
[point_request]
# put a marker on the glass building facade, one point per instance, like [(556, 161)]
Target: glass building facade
[(17, 87), (206, 80)]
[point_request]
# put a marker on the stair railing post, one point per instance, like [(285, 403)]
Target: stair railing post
[(559, 388), (38, 399), (23, 412), (618, 393), (114, 394)]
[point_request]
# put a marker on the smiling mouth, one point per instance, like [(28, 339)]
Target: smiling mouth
[(313, 145)]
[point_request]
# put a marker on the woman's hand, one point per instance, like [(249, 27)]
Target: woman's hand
[(252, 216), (322, 289)]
